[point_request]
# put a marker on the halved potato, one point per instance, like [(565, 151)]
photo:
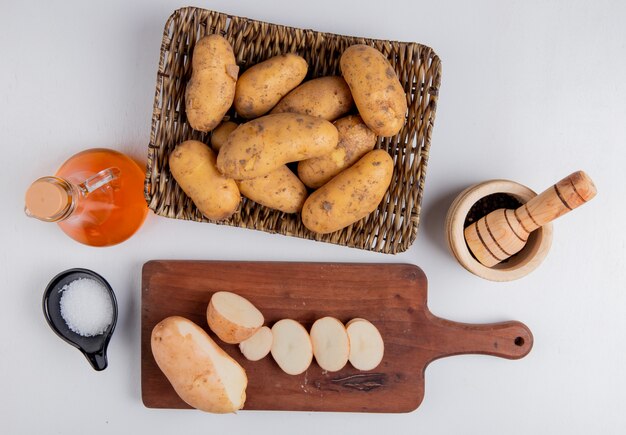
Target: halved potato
[(232, 317), (331, 346), (291, 347), (366, 344), (258, 346), (202, 374)]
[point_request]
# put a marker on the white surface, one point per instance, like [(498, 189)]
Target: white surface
[(531, 91)]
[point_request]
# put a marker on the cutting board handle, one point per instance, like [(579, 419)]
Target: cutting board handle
[(511, 340)]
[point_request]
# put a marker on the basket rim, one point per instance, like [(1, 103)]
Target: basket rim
[(229, 15)]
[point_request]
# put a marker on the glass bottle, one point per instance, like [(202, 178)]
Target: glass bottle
[(96, 197)]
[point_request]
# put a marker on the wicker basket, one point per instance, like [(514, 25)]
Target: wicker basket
[(393, 226)]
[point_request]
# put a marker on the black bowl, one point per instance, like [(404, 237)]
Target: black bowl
[(94, 348)]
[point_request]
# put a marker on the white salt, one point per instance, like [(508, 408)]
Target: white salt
[(86, 307)]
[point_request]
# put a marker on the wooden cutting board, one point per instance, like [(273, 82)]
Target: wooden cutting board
[(391, 296)]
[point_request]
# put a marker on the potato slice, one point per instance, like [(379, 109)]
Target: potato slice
[(232, 317), (258, 346), (202, 374), (331, 346), (366, 344), (291, 348)]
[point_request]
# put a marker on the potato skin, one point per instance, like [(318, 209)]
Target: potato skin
[(226, 330), (375, 87), (220, 134), (193, 166), (258, 147), (263, 85), (355, 140), (325, 97), (211, 89), (281, 190), (350, 196), (181, 356)]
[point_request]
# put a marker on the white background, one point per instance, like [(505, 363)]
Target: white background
[(532, 90)]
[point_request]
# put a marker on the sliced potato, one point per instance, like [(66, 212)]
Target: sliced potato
[(291, 347), (366, 344), (232, 317), (258, 346), (220, 134), (202, 374), (331, 346)]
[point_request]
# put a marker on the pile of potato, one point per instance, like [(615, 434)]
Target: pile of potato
[(207, 378), (289, 121)]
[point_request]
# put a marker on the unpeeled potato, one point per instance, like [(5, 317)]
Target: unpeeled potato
[(263, 85), (260, 146), (350, 196), (375, 87), (355, 140), (211, 89), (280, 189), (193, 166), (220, 134), (324, 97)]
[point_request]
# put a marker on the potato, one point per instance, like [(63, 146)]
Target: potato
[(355, 140), (220, 134), (202, 374), (375, 87), (331, 346), (192, 164), (233, 318), (366, 344), (211, 89), (350, 196), (258, 346), (281, 190), (264, 84), (291, 347), (325, 97), (258, 147)]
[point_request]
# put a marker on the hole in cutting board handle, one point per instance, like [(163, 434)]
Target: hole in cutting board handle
[(519, 341)]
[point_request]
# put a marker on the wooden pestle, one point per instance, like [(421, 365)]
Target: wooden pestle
[(503, 233)]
